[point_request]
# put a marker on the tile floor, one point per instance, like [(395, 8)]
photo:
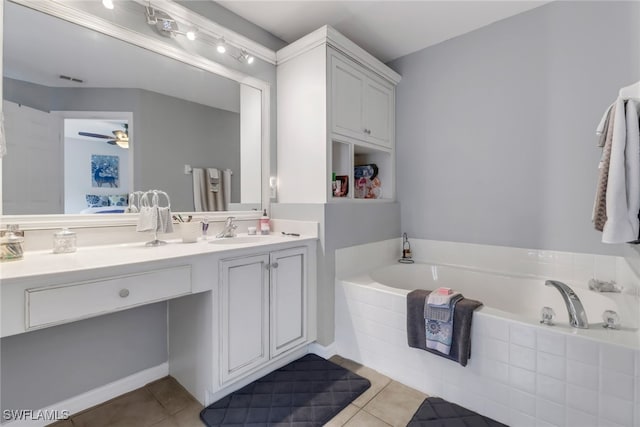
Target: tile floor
[(165, 403)]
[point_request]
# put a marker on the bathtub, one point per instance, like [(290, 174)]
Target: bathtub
[(496, 291), (520, 372)]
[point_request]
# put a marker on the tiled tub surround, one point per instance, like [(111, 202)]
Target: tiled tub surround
[(520, 373)]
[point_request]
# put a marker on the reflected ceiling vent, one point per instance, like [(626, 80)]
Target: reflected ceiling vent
[(71, 79)]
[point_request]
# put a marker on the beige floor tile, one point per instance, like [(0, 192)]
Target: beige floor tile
[(135, 409), (189, 416), (378, 381), (62, 423), (167, 422), (343, 416), (337, 359), (395, 404), (170, 394), (364, 419)]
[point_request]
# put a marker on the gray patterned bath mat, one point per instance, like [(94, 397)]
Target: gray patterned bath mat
[(307, 392), (436, 412)]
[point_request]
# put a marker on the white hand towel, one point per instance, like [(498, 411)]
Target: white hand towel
[(147, 219), (623, 183)]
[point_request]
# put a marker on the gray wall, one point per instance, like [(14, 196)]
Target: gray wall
[(92, 372), (341, 225), (496, 128), (169, 133), (47, 366)]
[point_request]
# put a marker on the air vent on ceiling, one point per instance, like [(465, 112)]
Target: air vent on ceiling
[(72, 79)]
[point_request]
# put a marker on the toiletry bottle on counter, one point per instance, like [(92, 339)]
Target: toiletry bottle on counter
[(265, 226), (11, 244)]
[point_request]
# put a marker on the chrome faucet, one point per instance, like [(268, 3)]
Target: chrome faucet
[(577, 315), (229, 229)]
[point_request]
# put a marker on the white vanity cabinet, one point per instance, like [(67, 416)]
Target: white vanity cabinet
[(262, 309), (362, 106), (336, 110)]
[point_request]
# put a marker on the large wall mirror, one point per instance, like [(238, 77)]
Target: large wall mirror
[(90, 118)]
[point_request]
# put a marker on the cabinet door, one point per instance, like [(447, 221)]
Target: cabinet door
[(347, 87), (244, 311), (378, 112), (288, 299)]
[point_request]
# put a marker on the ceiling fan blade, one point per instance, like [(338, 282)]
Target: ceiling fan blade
[(112, 142), (94, 135)]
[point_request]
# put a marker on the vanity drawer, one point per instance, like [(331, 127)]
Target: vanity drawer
[(50, 305)]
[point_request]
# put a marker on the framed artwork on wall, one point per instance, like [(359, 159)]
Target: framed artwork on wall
[(104, 171)]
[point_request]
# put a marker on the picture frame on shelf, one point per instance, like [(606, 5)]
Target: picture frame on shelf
[(341, 186)]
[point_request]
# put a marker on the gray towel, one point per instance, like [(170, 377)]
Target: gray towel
[(461, 343)]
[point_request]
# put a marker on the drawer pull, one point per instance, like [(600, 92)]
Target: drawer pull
[(124, 293)]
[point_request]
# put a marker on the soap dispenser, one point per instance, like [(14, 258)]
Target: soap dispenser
[(407, 256), (265, 226), (11, 244)]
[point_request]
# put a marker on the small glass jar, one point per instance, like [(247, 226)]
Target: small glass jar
[(64, 241), (11, 244)]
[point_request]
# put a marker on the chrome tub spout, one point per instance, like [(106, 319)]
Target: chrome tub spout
[(577, 315)]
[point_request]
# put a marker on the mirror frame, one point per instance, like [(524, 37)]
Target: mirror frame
[(58, 9)]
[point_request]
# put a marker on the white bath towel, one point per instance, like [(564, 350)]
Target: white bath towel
[(623, 184)]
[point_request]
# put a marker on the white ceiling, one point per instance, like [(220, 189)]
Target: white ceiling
[(386, 29)]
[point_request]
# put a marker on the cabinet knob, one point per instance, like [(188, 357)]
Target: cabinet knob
[(274, 265), (124, 293)]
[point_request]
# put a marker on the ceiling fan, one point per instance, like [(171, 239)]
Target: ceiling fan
[(119, 138)]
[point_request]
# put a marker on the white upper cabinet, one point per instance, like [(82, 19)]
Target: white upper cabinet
[(361, 107), (336, 111)]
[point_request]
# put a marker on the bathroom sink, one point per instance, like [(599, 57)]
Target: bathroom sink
[(241, 240)]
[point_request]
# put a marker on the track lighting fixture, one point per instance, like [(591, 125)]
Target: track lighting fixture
[(108, 4), (245, 57), (166, 26)]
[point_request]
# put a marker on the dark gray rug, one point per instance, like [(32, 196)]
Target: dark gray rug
[(436, 412), (307, 392)]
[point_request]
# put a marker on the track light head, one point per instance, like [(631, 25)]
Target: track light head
[(221, 46)]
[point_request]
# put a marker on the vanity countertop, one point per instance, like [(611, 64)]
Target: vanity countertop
[(37, 263)]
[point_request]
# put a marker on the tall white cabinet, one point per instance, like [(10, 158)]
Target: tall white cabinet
[(336, 110)]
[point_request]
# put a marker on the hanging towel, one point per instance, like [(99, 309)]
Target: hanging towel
[(211, 189), (599, 216), (214, 177), (416, 329), (623, 183), (147, 216), (164, 222), (438, 318), (601, 130)]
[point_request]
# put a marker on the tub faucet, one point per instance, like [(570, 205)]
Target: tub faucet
[(577, 315), (229, 229)]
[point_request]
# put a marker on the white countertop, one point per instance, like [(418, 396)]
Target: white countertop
[(36, 263)]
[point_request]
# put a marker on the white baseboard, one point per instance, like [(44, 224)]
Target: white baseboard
[(97, 395), (323, 351)]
